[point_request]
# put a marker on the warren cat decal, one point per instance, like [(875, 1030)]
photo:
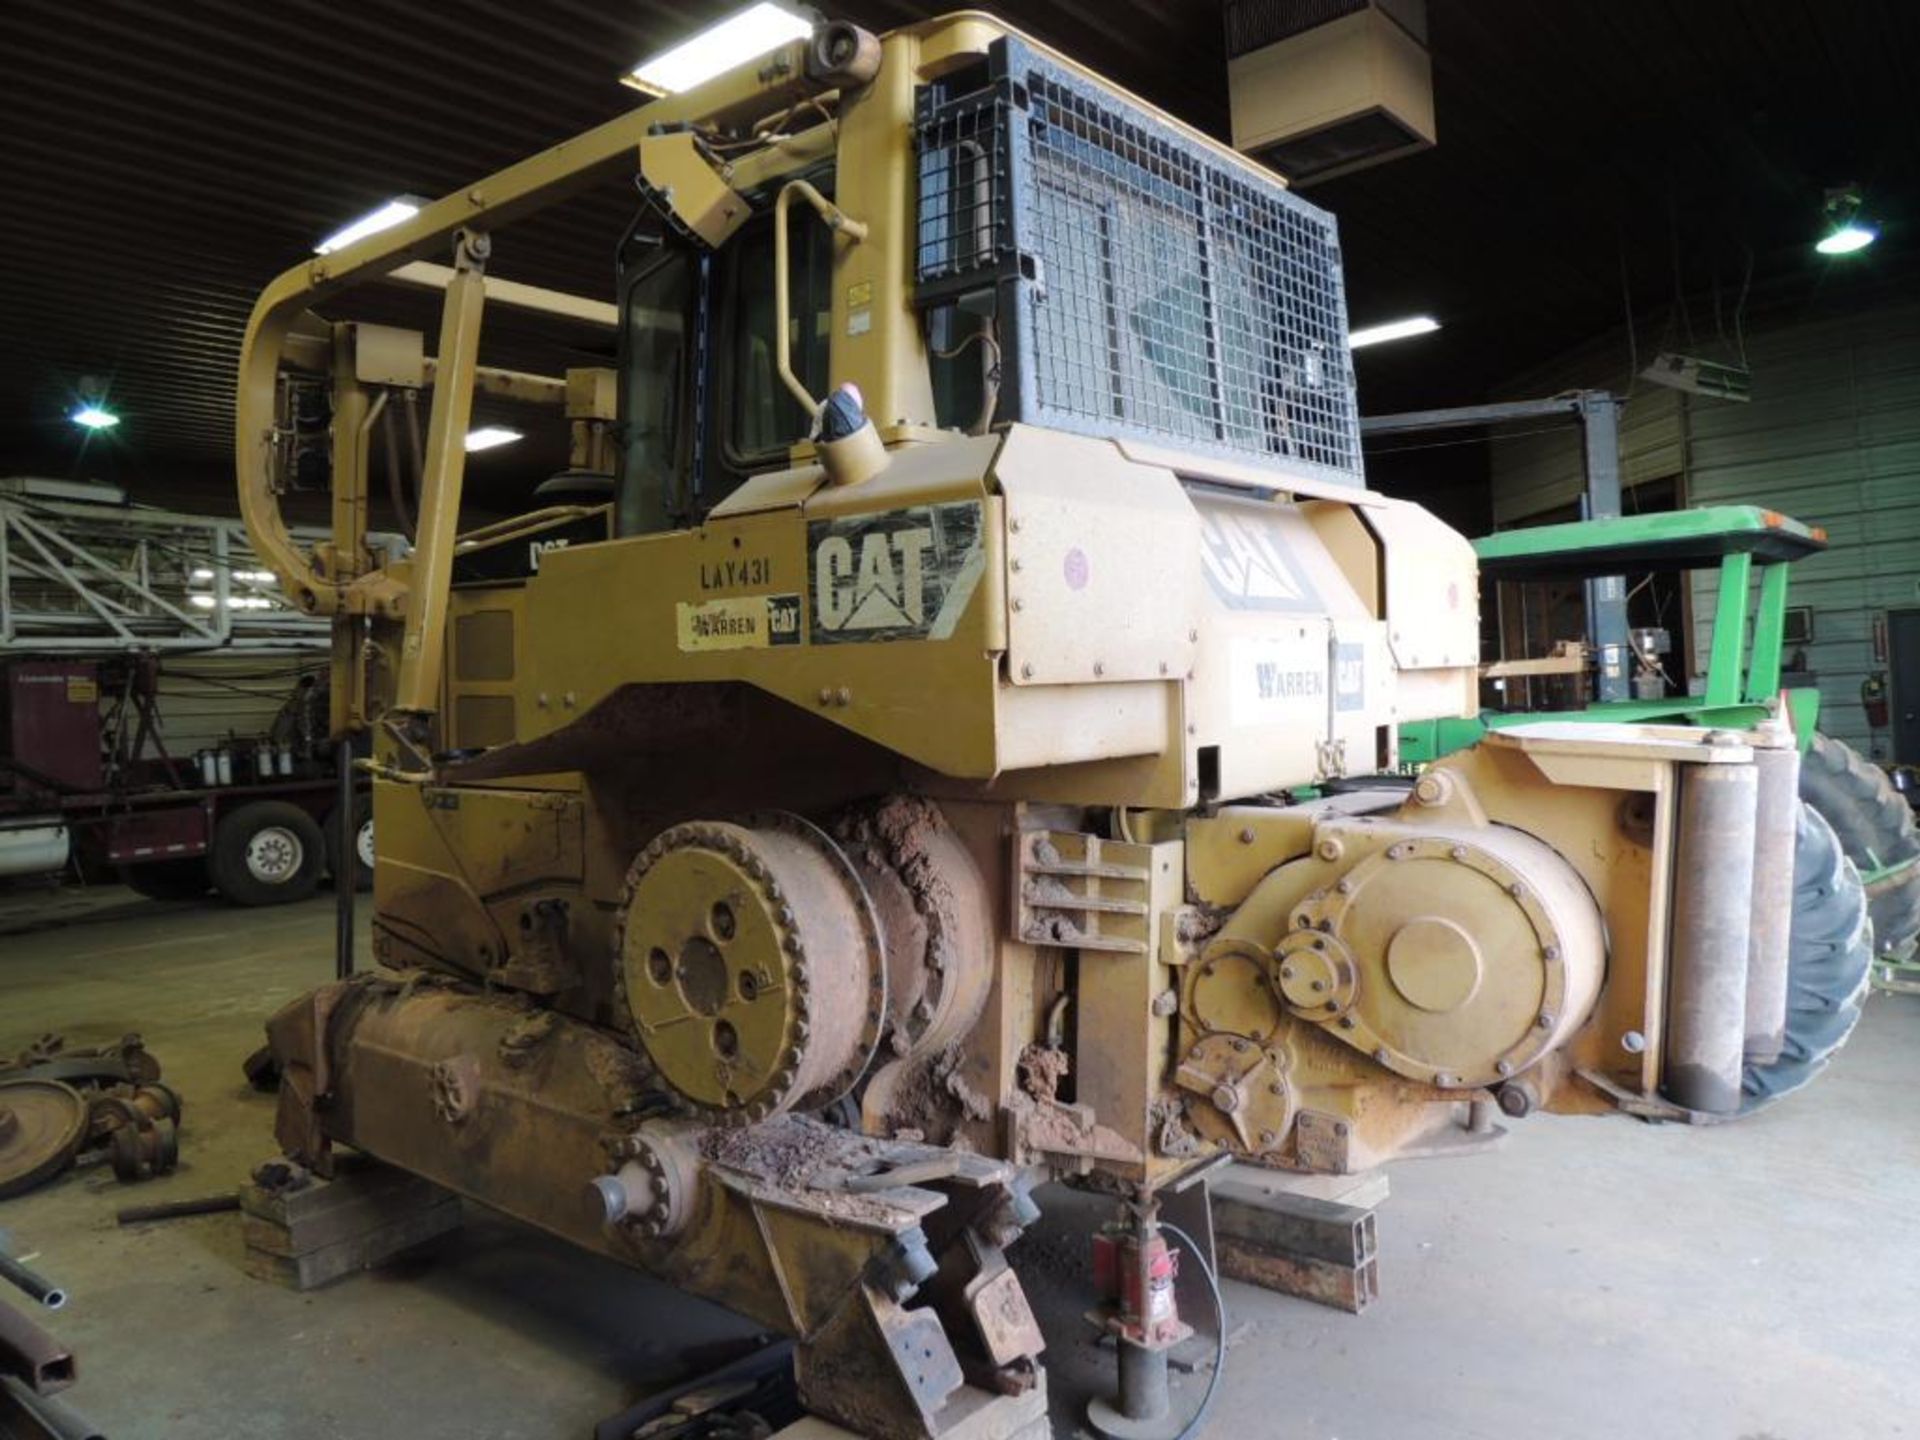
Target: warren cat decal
[(1349, 676), (900, 575), (738, 622)]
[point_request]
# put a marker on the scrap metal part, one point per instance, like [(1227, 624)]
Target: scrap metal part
[(31, 1355), (49, 1416), (56, 1102), (36, 1285), (43, 1124), (123, 1061)]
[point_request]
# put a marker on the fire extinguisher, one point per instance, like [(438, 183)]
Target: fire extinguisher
[(1873, 697)]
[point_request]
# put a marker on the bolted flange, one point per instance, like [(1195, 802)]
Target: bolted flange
[(652, 1192), (1314, 974), (1241, 1096)]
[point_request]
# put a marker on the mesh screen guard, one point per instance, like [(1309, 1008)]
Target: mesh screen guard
[(1140, 285)]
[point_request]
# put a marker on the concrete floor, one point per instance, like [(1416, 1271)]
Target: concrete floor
[(1587, 1279)]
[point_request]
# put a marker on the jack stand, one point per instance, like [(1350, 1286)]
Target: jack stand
[(1136, 1269)]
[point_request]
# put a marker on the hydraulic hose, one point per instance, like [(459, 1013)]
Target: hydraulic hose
[(1219, 1331)]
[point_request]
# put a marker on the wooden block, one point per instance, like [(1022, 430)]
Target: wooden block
[(369, 1186), (369, 1247), (321, 1217)]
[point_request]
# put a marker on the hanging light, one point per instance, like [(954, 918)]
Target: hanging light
[(1847, 239), (94, 416), (1847, 233)]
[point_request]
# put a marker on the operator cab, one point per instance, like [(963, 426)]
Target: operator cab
[(702, 405)]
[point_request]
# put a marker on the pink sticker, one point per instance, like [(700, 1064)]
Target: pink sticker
[(1075, 569)]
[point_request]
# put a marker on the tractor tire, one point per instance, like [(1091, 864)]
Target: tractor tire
[(1876, 829), (362, 844), (1829, 959), (268, 853), (168, 879)]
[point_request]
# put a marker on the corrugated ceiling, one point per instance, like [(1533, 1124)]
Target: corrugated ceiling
[(162, 163)]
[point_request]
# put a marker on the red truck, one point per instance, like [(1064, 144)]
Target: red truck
[(86, 779)]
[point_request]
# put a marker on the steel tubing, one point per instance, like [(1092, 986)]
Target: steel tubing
[(31, 1355), (51, 1417)]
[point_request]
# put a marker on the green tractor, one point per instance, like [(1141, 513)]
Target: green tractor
[(1858, 830)]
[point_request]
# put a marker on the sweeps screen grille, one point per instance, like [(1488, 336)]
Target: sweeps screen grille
[(1136, 282)]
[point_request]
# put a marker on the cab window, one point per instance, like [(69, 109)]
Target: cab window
[(764, 419), (656, 358)]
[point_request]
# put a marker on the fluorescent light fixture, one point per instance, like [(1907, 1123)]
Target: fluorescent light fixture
[(203, 602), (1392, 330), (1847, 239), (392, 213), (489, 436), (255, 577), (94, 417), (719, 48), (202, 573)]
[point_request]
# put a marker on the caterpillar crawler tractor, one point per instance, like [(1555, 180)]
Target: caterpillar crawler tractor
[(891, 795)]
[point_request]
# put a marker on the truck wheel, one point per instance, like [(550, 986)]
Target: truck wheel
[(267, 853), (362, 843), (168, 879), (1876, 829), (1828, 960)]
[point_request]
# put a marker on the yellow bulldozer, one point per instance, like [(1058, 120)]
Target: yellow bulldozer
[(928, 742)]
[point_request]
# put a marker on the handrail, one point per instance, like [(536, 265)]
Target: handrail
[(837, 221)]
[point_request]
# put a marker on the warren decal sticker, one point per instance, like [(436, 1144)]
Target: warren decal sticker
[(739, 622), (1285, 681), (900, 575)]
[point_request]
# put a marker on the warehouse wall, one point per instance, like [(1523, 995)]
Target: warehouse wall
[(1831, 436)]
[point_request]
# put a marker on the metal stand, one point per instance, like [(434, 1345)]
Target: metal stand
[(1598, 412), (1140, 1410), (345, 881)]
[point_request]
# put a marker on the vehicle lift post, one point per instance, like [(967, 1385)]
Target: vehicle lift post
[(1598, 412)]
